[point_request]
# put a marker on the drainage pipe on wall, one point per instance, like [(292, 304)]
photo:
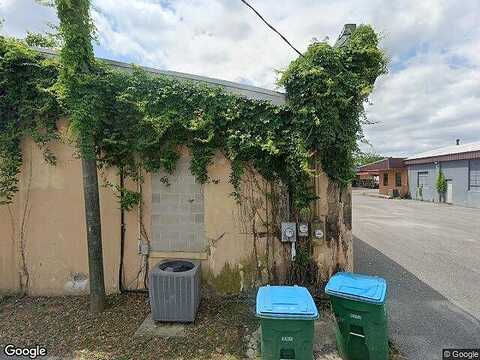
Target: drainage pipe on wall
[(122, 235), (122, 246)]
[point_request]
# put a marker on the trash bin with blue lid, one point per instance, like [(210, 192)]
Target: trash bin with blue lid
[(358, 302), (287, 315)]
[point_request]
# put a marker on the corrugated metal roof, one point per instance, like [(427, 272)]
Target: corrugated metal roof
[(448, 150)]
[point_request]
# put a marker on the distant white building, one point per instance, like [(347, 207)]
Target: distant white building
[(461, 166)]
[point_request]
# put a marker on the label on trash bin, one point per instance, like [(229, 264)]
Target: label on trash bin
[(287, 338), (356, 316)]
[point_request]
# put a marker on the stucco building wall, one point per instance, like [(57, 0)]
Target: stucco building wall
[(9, 281), (45, 227), (43, 247), (333, 208)]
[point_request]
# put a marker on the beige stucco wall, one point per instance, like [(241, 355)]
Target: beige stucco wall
[(48, 218), (333, 208), (50, 206), (8, 262)]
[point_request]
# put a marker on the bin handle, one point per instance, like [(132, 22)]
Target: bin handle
[(356, 334)]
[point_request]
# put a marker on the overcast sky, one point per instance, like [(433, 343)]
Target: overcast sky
[(430, 97)]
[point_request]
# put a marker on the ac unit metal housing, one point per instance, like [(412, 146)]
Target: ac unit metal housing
[(174, 289)]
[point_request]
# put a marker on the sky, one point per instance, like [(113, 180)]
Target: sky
[(429, 98)]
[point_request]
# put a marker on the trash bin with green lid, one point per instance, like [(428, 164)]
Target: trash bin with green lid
[(358, 302), (287, 315)]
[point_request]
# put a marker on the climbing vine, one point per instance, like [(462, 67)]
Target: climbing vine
[(326, 90), (28, 107), (137, 120)]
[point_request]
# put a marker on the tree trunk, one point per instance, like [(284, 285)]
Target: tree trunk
[(94, 234), (78, 63)]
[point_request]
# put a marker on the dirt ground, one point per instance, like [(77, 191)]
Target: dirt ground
[(67, 329)]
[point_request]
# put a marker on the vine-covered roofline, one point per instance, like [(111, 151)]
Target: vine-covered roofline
[(135, 118), (248, 91)]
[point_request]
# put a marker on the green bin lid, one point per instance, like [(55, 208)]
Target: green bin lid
[(285, 302), (371, 289)]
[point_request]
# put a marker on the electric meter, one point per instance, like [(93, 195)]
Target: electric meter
[(303, 229), (289, 232), (318, 232)]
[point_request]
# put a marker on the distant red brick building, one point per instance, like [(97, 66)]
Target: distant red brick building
[(392, 176)]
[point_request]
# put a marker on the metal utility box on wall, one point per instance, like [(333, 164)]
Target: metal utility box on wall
[(289, 232), (174, 289), (318, 231), (303, 229)]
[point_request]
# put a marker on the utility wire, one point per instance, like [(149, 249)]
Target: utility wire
[(271, 27)]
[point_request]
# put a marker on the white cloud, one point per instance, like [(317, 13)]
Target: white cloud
[(423, 106), (429, 98), (25, 15)]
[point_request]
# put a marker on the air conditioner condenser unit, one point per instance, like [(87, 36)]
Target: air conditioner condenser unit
[(174, 289)]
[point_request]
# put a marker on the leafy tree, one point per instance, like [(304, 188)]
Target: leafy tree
[(441, 184), (43, 40), (364, 158)]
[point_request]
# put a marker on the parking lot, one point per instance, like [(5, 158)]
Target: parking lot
[(429, 253)]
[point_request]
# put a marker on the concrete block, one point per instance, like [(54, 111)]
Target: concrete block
[(199, 218), (155, 329), (188, 238)]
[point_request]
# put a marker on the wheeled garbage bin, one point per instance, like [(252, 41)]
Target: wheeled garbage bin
[(358, 302), (287, 315)]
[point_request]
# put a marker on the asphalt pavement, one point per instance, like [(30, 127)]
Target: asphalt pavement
[(430, 255)]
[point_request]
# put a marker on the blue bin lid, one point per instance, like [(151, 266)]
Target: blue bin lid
[(285, 302), (359, 287)]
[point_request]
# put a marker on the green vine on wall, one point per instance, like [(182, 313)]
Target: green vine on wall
[(139, 120), (327, 90), (28, 107)]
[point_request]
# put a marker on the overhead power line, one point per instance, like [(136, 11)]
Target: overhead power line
[(271, 27)]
